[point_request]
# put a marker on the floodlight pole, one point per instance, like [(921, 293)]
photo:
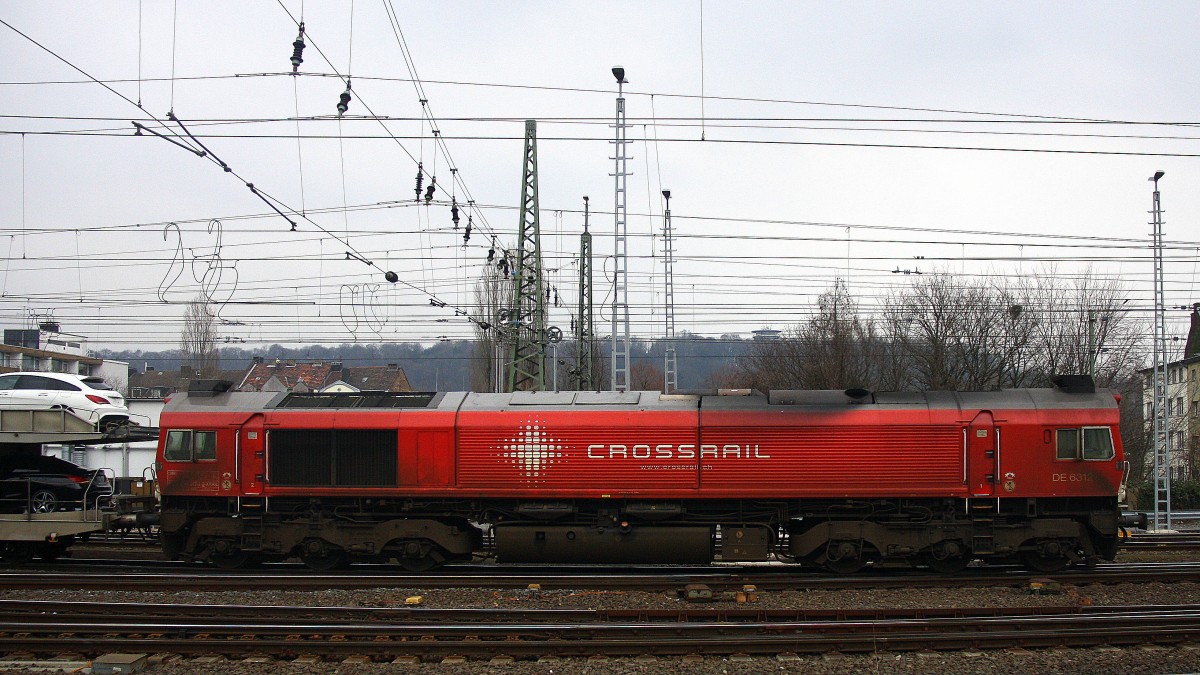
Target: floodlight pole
[(670, 362), (1159, 406), (620, 311)]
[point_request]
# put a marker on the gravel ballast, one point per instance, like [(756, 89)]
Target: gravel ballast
[(1148, 659)]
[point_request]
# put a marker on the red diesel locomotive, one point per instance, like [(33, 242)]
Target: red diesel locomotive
[(833, 479)]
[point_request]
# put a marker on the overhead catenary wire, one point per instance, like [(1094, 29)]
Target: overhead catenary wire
[(272, 202), (720, 269)]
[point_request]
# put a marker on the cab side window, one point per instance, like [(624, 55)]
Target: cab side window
[(1098, 443), (204, 445), (188, 446), (179, 446), (1067, 444)]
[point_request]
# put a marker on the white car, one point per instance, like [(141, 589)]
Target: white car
[(90, 398)]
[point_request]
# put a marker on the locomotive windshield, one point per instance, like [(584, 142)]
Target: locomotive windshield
[(1096, 444)]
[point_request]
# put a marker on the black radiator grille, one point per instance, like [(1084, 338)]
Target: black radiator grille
[(332, 457), (358, 399)]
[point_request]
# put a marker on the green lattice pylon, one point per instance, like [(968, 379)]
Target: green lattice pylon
[(528, 315)]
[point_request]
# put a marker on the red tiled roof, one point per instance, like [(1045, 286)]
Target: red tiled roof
[(313, 375), (373, 378)]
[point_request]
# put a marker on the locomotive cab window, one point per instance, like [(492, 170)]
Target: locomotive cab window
[(1098, 443), (190, 446), (1090, 443), (1067, 446)]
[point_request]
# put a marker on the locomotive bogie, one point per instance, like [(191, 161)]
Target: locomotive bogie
[(322, 541)]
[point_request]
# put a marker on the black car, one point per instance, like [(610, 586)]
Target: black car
[(42, 484)]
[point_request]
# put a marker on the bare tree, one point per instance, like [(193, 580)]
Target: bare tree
[(838, 343), (771, 364), (946, 332), (927, 320), (645, 376), (493, 294), (1086, 325), (835, 349), (950, 333), (199, 340)]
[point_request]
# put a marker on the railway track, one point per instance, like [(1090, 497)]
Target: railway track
[(1170, 541), (380, 634), (172, 577)]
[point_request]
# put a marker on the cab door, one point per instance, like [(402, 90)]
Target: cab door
[(252, 456), (983, 455)]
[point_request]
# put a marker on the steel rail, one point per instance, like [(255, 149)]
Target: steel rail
[(529, 639), (1174, 541), (84, 611), (773, 579)]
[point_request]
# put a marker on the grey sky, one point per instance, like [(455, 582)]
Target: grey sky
[(762, 227)]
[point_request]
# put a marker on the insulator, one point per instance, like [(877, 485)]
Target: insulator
[(454, 211), (298, 49), (467, 232), (420, 179), (547, 293), (429, 190), (344, 100), (492, 251)]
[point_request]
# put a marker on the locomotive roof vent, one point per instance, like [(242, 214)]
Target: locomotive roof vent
[(1075, 384), (202, 388), (858, 394)]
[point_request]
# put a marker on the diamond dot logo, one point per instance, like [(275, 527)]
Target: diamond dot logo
[(532, 450)]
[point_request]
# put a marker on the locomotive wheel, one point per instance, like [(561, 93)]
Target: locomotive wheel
[(948, 565), (946, 557), (1050, 555), (418, 564), (419, 555), (844, 557), (1040, 562), (329, 560), (230, 561)]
